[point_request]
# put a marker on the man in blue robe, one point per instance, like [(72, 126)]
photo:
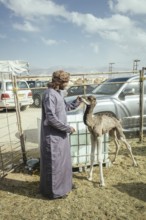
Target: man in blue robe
[(55, 154)]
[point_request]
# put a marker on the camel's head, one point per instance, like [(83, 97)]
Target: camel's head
[(89, 100)]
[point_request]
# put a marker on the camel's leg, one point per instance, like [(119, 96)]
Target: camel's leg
[(93, 144), (117, 146), (100, 160), (130, 150)]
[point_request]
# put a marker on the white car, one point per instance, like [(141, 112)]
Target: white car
[(7, 100)]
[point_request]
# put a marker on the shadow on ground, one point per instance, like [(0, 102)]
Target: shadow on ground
[(136, 190), (25, 188)]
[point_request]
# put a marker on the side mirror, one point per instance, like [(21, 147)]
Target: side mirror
[(129, 92)]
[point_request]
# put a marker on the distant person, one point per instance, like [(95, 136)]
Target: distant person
[(55, 158)]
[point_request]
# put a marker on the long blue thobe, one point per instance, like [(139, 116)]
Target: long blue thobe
[(55, 154)]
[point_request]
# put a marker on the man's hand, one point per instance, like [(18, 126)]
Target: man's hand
[(72, 130), (79, 99)]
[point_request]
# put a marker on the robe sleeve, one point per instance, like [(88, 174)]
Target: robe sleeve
[(50, 116), (73, 105)]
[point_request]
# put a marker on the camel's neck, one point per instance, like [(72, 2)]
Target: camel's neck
[(88, 119)]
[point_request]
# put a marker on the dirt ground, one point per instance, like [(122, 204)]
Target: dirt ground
[(123, 197)]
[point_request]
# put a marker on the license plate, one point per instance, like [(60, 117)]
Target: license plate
[(20, 96)]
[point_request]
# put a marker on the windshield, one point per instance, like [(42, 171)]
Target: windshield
[(110, 87), (20, 85)]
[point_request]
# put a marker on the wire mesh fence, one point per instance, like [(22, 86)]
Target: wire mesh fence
[(10, 147)]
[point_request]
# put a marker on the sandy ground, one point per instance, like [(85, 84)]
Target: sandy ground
[(123, 197)]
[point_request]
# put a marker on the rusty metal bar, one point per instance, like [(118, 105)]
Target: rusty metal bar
[(141, 104), (21, 135)]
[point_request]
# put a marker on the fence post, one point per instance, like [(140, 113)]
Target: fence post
[(141, 104), (21, 135)]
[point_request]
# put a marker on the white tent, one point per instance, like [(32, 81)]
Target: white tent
[(14, 67)]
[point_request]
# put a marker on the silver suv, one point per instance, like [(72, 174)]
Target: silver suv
[(121, 98)]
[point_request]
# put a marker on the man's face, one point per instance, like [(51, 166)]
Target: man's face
[(63, 85)]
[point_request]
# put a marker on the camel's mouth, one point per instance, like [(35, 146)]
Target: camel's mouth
[(84, 99), (89, 100)]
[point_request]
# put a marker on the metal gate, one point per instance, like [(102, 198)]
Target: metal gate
[(12, 149)]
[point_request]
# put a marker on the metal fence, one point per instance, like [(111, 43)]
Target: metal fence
[(20, 130), (10, 146)]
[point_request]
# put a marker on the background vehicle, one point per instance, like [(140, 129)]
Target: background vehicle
[(7, 94), (119, 97), (80, 90), (37, 87)]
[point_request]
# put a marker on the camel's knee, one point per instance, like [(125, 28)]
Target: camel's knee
[(92, 156)]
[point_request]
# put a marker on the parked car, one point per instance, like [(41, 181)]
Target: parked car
[(7, 94), (119, 97), (80, 89), (37, 87)]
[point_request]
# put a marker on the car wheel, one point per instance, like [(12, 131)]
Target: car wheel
[(23, 108), (37, 101)]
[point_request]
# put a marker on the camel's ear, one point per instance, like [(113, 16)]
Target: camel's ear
[(94, 99), (84, 97)]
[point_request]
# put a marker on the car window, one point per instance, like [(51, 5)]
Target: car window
[(133, 85), (76, 90), (38, 84), (20, 85), (9, 86), (31, 84), (108, 88), (90, 88), (79, 90), (44, 84)]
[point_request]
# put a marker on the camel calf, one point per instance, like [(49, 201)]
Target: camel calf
[(98, 125)]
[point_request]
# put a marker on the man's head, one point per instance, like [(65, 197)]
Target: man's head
[(60, 79)]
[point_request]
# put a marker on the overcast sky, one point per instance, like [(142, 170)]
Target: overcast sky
[(74, 33)]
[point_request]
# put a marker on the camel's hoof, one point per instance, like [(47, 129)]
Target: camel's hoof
[(135, 164), (102, 184), (89, 178)]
